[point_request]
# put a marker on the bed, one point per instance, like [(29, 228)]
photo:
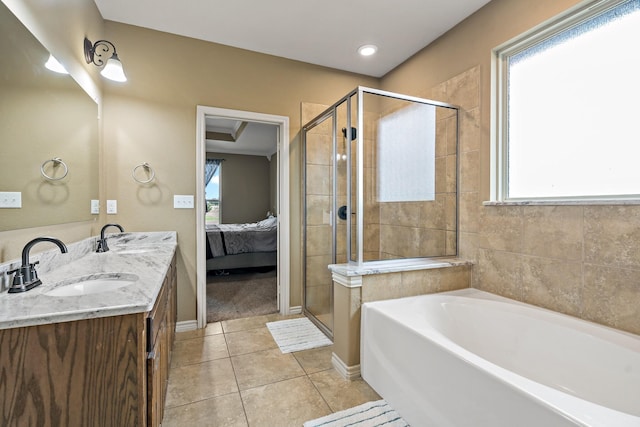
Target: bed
[(242, 245)]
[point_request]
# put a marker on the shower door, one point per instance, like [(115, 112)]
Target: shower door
[(319, 224), (326, 211)]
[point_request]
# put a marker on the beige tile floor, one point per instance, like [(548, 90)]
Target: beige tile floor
[(233, 374)]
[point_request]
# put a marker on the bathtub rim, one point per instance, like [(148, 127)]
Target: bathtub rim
[(489, 296), (581, 411)]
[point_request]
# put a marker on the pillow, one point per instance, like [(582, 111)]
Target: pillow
[(272, 221)]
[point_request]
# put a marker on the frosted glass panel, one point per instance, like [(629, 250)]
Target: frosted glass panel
[(406, 154)]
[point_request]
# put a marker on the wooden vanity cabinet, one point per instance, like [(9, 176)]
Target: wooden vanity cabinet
[(161, 325), (93, 372)]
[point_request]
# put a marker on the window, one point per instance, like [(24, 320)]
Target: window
[(212, 191), (566, 99)]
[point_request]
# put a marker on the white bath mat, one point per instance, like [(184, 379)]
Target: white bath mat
[(370, 414), (297, 334)]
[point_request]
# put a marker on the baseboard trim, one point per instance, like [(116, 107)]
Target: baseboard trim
[(295, 310), (348, 372), (186, 325)]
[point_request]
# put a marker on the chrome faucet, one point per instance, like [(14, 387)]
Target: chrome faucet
[(102, 242), (26, 277)]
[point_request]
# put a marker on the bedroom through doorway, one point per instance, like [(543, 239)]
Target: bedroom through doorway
[(240, 220), (229, 126), (242, 265)]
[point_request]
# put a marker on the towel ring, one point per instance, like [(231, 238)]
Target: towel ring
[(146, 166), (57, 161)]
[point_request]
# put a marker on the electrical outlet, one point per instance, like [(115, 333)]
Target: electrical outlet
[(182, 202), (10, 199), (112, 207), (95, 207)]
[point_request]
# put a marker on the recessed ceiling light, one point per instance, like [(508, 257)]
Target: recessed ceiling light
[(367, 50)]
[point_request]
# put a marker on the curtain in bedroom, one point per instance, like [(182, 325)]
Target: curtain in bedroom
[(210, 168)]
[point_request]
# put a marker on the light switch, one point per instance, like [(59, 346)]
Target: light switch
[(182, 201), (10, 199), (95, 207), (112, 207)]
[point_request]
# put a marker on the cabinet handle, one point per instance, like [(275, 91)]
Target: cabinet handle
[(151, 355)]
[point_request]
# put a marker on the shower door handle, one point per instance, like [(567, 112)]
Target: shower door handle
[(342, 213)]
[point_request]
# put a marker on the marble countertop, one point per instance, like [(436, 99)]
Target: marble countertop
[(147, 255)]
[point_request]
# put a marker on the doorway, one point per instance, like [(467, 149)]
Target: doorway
[(282, 202)]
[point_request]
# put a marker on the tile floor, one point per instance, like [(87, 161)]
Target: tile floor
[(233, 374)]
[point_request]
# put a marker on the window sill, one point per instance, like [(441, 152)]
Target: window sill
[(562, 202)]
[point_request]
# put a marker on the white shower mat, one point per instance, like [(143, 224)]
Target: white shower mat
[(297, 334), (370, 414)]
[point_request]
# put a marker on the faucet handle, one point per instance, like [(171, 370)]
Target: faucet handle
[(18, 278), (32, 268), (102, 245)]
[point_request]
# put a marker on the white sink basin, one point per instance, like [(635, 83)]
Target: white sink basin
[(93, 284)]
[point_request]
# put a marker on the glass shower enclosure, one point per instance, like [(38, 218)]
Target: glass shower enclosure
[(380, 183)]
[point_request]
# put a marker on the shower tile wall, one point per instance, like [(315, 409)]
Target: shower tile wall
[(413, 229), (463, 90), (378, 287), (341, 187), (371, 232), (579, 260)]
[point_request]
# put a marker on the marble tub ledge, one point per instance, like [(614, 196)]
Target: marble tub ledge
[(395, 266)]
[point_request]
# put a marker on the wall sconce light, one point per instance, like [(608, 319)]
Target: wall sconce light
[(97, 52)]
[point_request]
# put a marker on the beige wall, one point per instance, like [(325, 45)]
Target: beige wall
[(152, 118), (245, 187), (580, 260), (61, 28)]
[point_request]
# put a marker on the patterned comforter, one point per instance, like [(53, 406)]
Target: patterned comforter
[(230, 239)]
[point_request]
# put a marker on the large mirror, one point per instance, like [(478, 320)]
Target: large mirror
[(43, 116)]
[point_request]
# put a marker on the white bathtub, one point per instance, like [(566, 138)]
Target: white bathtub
[(473, 359)]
